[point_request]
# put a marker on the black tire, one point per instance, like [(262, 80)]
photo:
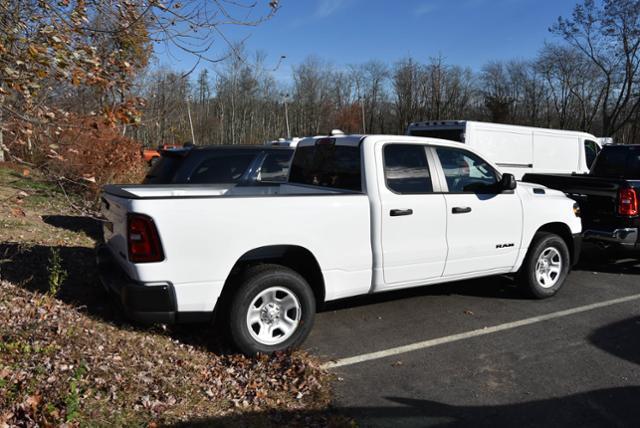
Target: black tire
[(250, 284), (528, 277), (154, 161)]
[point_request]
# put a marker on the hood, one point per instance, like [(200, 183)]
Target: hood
[(531, 189)]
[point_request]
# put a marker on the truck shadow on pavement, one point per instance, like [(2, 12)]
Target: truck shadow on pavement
[(594, 259), (621, 339), (603, 407), (492, 287)]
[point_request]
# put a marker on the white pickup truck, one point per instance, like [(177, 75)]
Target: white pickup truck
[(360, 214)]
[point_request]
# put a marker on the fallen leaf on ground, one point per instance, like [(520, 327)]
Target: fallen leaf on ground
[(18, 212)]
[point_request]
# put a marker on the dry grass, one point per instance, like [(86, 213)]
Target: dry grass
[(71, 357), (60, 365)]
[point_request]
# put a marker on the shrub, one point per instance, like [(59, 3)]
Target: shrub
[(57, 274), (81, 152)]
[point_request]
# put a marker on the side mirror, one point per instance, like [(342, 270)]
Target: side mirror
[(508, 182)]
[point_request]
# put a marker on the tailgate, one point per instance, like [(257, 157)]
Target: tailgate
[(114, 228)]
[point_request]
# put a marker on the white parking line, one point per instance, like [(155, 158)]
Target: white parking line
[(474, 333)]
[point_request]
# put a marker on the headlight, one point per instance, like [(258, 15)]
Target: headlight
[(576, 209)]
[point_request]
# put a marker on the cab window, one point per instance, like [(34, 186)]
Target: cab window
[(327, 164), (466, 172), (406, 170)]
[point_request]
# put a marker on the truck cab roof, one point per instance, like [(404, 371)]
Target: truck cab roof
[(357, 139)]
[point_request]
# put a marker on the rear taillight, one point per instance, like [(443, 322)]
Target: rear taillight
[(143, 239), (628, 202)]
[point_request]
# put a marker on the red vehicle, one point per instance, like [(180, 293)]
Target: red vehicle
[(152, 156)]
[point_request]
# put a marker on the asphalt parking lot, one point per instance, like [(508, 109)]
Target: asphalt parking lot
[(479, 353)]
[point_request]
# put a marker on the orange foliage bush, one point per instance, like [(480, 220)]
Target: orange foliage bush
[(83, 152)]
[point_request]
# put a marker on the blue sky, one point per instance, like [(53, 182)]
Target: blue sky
[(465, 32)]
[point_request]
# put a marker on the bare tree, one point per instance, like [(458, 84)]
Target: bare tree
[(608, 34), (376, 76), (497, 92), (406, 85)]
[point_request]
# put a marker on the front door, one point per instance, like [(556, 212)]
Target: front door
[(484, 225), (413, 218)]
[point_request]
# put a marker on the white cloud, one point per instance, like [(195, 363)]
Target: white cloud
[(425, 8), (327, 8)]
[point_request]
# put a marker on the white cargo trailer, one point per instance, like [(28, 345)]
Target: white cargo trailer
[(518, 149)]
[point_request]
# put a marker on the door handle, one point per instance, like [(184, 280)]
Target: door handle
[(396, 213), (461, 210)]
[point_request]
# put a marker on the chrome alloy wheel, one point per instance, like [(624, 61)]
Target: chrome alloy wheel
[(273, 316), (548, 267)]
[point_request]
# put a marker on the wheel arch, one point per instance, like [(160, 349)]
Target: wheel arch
[(563, 231), (295, 257)]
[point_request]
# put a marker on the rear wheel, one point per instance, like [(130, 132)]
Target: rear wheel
[(272, 310), (546, 266)]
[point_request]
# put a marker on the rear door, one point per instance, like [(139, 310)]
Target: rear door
[(484, 226), (556, 153), (413, 218)]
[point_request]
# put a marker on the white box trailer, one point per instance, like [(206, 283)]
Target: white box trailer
[(518, 149)]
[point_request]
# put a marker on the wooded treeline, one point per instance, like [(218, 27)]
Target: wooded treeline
[(68, 63), (587, 79)]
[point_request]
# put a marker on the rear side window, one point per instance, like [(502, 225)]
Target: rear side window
[(275, 167), (222, 169), (406, 170), (327, 165), (164, 171)]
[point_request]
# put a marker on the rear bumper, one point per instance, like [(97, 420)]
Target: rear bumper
[(625, 238), (142, 302)]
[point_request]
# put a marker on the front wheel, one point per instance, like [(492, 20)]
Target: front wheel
[(546, 266), (272, 310)]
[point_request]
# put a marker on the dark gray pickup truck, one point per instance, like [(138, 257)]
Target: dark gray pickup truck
[(608, 196)]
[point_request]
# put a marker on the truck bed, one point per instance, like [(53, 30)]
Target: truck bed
[(206, 229), (159, 191), (597, 196)]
